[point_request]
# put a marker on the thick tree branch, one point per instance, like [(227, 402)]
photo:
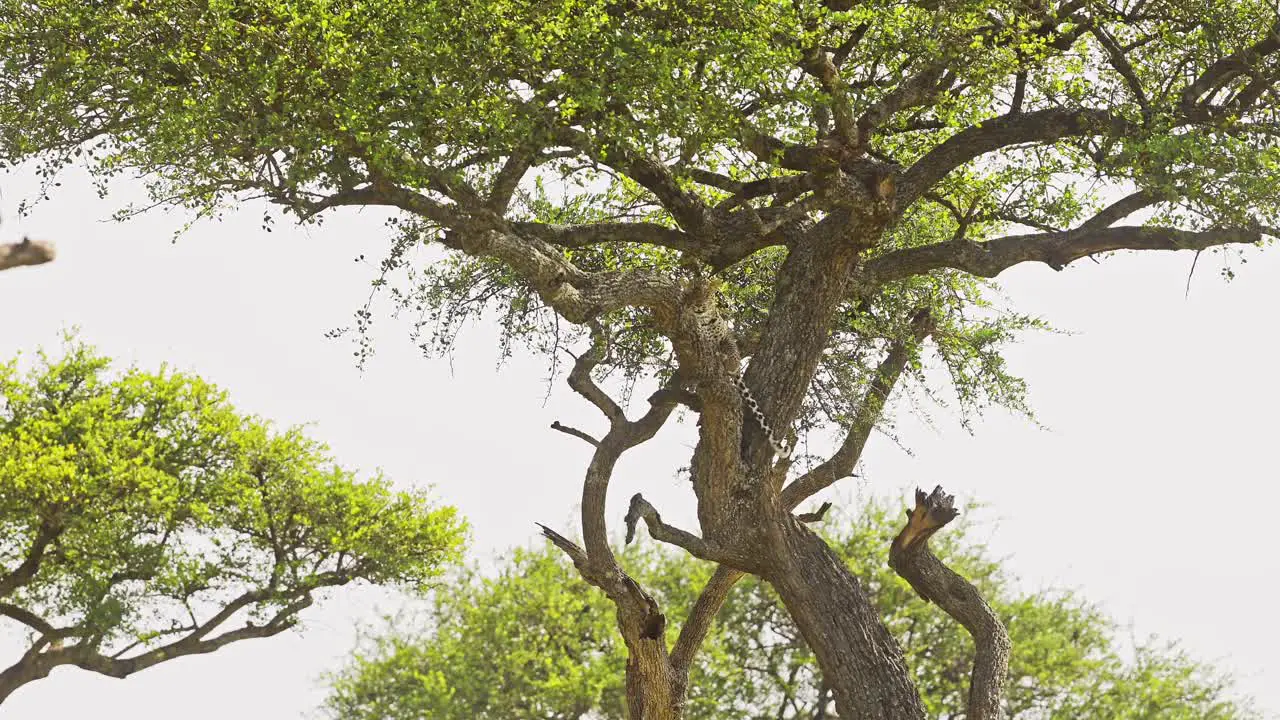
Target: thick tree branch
[(910, 557), (1057, 250), (688, 210), (27, 252), (580, 236), (30, 565), (842, 463), (916, 91), (1040, 126), (30, 619), (1119, 210), (819, 64), (508, 179), (811, 284), (1225, 69), (771, 150)]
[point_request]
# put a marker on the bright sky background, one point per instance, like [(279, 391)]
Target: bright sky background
[(1153, 489)]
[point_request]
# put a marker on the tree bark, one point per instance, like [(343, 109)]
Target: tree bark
[(654, 692), (910, 557), (27, 670), (860, 660)]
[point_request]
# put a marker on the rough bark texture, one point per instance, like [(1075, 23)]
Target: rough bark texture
[(28, 670), (860, 660)]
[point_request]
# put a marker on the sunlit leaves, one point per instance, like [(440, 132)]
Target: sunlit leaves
[(535, 640), (146, 501)]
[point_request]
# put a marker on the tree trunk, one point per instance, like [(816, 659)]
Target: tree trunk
[(653, 690), (860, 661)]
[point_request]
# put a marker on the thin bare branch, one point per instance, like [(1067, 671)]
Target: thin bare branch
[(557, 425), (640, 509)]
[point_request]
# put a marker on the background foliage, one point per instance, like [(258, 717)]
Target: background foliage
[(532, 640)]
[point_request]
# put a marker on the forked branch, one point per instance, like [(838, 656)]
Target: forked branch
[(842, 463), (910, 557)]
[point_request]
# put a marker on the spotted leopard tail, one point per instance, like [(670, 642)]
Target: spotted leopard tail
[(779, 447)]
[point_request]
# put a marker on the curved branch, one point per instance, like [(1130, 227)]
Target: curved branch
[(30, 619), (640, 509), (1225, 69), (580, 376), (1057, 250), (30, 565), (1025, 127), (686, 207), (910, 557)]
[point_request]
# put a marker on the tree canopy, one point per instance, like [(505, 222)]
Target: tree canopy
[(143, 519), (820, 188), (531, 640)]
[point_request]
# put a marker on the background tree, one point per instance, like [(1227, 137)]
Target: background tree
[(143, 519), (820, 187), (533, 641)]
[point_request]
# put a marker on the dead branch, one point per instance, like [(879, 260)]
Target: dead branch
[(910, 557)]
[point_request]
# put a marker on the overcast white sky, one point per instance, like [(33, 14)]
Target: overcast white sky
[(1152, 490)]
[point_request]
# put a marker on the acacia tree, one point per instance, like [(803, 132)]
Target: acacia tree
[(143, 519), (819, 187), (532, 640)]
